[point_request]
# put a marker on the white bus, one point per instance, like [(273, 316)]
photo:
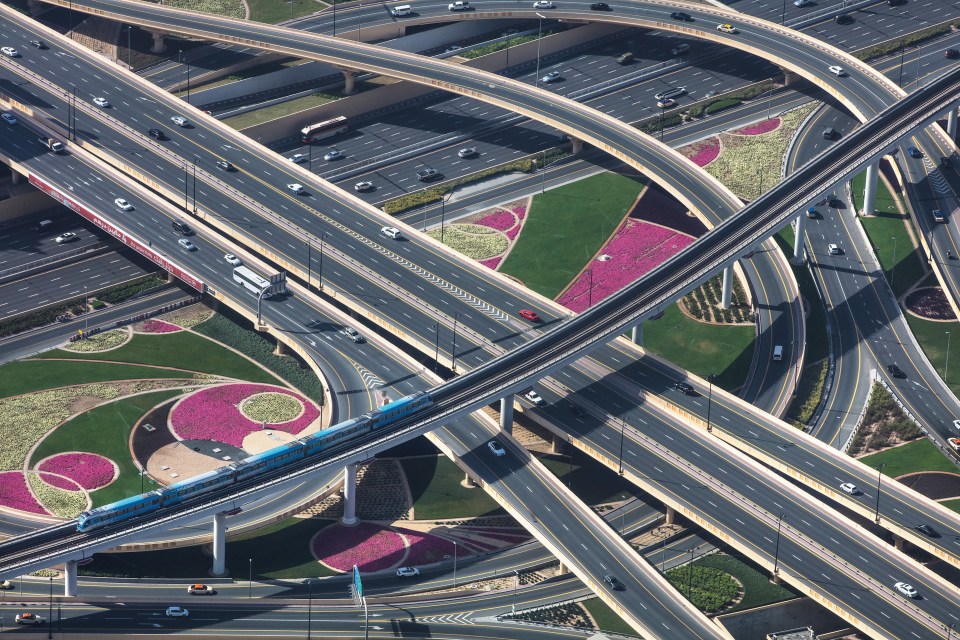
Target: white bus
[(255, 283), (325, 129)]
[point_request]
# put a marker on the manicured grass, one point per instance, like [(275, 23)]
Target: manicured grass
[(566, 227), (702, 348), (278, 551), (888, 232), (886, 201), (25, 376), (920, 455), (606, 619), (757, 588), (437, 493), (281, 110), (952, 504), (592, 482), (181, 350), (274, 11), (105, 430), (932, 338)]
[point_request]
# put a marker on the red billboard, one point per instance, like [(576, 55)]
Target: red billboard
[(119, 234)]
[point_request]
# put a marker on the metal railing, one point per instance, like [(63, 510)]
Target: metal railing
[(52, 259)]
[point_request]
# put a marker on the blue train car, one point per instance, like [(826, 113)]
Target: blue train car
[(118, 511), (270, 459), (399, 408), (316, 442), (185, 489)]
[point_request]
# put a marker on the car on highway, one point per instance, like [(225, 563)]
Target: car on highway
[(496, 448), (906, 589), (927, 530), (956, 425), (681, 16), (10, 51), (850, 488), (726, 27), (459, 5), (895, 371), (232, 259), (467, 152), (802, 3), (666, 103), (156, 134), (5, 585), (101, 102), (391, 232), (914, 152), (535, 398), (529, 314), (844, 19), (39, 44), (298, 158), (951, 53), (544, 4), (407, 572), (426, 175), (452, 48), (180, 121), (295, 188), (333, 154), (833, 249), (186, 244), (672, 92), (614, 582), (363, 185), (812, 213), (954, 444), (123, 204), (69, 236), (553, 76), (177, 612), (684, 387), (9, 118), (836, 70), (353, 334), (201, 590), (28, 618), (223, 165), (599, 6)]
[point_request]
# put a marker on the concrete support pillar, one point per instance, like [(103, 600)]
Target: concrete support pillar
[(35, 7), (70, 579), (349, 496), (562, 569), (727, 295), (671, 517), (899, 543), (952, 123), (789, 77), (281, 349), (219, 545), (170, 277), (506, 413), (556, 443), (15, 176), (775, 578), (798, 241), (870, 189), (159, 46), (349, 75), (468, 482), (576, 145), (636, 334)]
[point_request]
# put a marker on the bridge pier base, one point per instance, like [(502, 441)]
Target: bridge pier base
[(576, 145), (556, 443), (671, 516), (899, 542), (952, 123), (281, 349), (171, 278), (70, 579), (798, 239), (636, 334), (727, 288), (506, 413), (562, 569), (468, 482), (219, 545), (349, 496), (159, 45), (15, 176), (870, 189), (349, 76)]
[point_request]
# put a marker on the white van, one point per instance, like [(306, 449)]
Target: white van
[(778, 353), (401, 10)]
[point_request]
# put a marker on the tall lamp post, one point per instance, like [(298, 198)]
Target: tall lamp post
[(323, 235), (250, 579), (309, 607), (129, 51), (260, 302), (590, 290), (436, 346), (621, 448), (309, 263), (536, 79), (876, 515), (709, 399), (516, 583), (454, 564), (776, 551), (50, 613), (453, 350)]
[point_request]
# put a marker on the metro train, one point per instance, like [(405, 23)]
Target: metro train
[(270, 460)]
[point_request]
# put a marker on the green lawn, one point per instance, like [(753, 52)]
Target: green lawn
[(952, 504), (437, 493), (25, 376), (565, 229), (181, 350), (278, 551), (274, 11), (281, 110), (932, 337), (920, 455), (606, 619), (105, 430), (888, 233), (702, 348), (757, 588), (886, 201), (592, 482)]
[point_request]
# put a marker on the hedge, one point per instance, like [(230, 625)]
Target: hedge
[(130, 289), (653, 125), (809, 394), (512, 42), (707, 588), (720, 105)]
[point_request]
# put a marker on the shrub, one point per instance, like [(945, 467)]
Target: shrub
[(720, 105), (809, 393), (129, 289), (707, 588)]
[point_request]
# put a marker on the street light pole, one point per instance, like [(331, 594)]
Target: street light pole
[(709, 400), (320, 273), (453, 351), (900, 79), (621, 447), (309, 607), (443, 211), (776, 552), (516, 583), (309, 262), (436, 346), (454, 564), (536, 79), (590, 290), (260, 301), (250, 579), (50, 613), (129, 64), (876, 516)]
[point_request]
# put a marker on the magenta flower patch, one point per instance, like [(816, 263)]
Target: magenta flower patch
[(368, 546), (492, 263), (635, 249), (759, 128), (88, 470), (702, 153), (15, 494), (213, 414), (159, 326), (426, 548), (501, 221)]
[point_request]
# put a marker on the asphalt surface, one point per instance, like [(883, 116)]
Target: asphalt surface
[(21, 245)]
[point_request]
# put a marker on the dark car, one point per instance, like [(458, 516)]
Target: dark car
[(684, 387), (844, 19), (927, 530), (945, 162), (896, 371), (39, 44), (681, 16), (600, 6), (577, 410), (914, 152), (156, 134), (223, 165), (426, 175), (951, 53), (614, 583), (896, 3)]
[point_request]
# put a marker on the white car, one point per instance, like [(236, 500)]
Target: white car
[(10, 51), (726, 27), (407, 572), (391, 232), (186, 244), (101, 102), (496, 448), (353, 334), (906, 589), (232, 259), (544, 4), (296, 188), (6, 584), (535, 398), (333, 154), (123, 204), (28, 618), (177, 612), (452, 48), (956, 425), (467, 152), (363, 185), (69, 236), (553, 76), (666, 103), (459, 5), (9, 118), (298, 158), (180, 121), (849, 487), (837, 70), (201, 590), (833, 249), (802, 3)]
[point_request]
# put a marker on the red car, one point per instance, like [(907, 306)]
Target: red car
[(529, 315)]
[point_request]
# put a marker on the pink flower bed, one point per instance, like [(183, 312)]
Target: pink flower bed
[(15, 494), (759, 128), (492, 263), (368, 546), (506, 221), (426, 548), (703, 153), (159, 326), (635, 249), (60, 481), (214, 414), (88, 470)]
